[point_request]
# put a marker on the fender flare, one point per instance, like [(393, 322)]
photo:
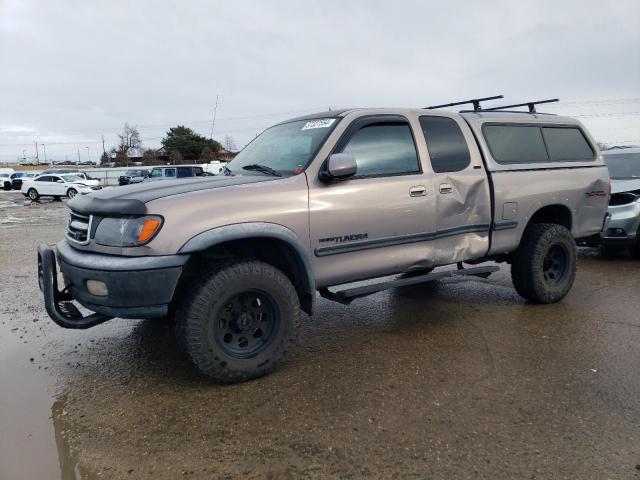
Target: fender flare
[(240, 231)]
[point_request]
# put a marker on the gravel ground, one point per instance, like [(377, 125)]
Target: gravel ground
[(454, 379)]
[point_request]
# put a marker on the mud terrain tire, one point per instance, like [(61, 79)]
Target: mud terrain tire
[(238, 320), (543, 268)]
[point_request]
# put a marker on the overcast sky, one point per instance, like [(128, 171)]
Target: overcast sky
[(72, 71)]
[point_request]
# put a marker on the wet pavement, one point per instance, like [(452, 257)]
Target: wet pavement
[(454, 379)]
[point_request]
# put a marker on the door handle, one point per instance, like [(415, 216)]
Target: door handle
[(418, 191), (446, 188)]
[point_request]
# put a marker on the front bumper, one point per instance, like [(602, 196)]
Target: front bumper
[(137, 287), (623, 224)]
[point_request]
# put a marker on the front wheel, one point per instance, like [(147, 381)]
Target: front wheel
[(543, 268), (72, 192), (32, 193), (239, 321)]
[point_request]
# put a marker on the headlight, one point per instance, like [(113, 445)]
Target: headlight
[(127, 232)]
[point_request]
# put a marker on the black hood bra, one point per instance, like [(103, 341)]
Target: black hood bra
[(131, 199)]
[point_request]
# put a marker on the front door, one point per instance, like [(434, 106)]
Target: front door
[(376, 222), (58, 186)]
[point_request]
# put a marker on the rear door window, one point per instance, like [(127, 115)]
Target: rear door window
[(515, 143), (170, 172), (383, 149), (446, 144), (184, 172), (46, 178), (566, 144)]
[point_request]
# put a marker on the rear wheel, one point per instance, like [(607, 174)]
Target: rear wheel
[(32, 193), (239, 321), (543, 268), (72, 192)]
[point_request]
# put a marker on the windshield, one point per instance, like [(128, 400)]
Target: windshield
[(623, 165), (285, 148), (156, 172), (71, 178)]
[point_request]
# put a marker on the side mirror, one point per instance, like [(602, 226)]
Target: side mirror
[(339, 166)]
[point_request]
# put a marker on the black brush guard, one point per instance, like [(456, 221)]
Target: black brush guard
[(58, 303)]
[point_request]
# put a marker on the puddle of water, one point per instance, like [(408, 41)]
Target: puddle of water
[(27, 438)]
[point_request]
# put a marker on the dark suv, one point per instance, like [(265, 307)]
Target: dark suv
[(176, 171)]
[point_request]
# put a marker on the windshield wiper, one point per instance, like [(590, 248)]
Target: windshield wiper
[(263, 169)]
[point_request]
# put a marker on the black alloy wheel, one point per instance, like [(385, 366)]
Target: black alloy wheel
[(246, 323)]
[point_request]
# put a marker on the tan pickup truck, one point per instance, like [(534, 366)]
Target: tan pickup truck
[(321, 201)]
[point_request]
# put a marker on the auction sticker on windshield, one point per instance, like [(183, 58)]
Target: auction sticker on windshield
[(324, 123)]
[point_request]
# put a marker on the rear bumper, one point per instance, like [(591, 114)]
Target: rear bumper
[(137, 287)]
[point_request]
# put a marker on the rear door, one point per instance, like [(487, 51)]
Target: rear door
[(462, 191), (184, 172), (44, 185)]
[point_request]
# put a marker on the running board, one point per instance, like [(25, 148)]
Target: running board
[(348, 295)]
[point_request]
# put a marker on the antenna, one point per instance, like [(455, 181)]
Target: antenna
[(213, 122), (474, 101), (531, 105)]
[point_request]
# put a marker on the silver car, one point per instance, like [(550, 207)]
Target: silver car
[(624, 206)]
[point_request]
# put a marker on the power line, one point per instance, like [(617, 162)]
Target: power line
[(165, 125)]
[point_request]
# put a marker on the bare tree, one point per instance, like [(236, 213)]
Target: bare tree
[(129, 138), (149, 157), (122, 160), (229, 143)]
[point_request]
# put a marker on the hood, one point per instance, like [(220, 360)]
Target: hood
[(625, 185), (88, 183), (132, 199)]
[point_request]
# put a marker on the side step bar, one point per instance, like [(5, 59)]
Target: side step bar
[(348, 295)]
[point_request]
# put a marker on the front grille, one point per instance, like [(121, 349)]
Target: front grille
[(623, 198), (78, 228)]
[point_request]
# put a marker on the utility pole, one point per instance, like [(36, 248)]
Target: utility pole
[(37, 156), (88, 154), (78, 155), (213, 123), (45, 152)]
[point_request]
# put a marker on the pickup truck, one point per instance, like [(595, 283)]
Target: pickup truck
[(318, 202)]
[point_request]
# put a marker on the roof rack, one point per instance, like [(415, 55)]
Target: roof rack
[(531, 105), (474, 101)]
